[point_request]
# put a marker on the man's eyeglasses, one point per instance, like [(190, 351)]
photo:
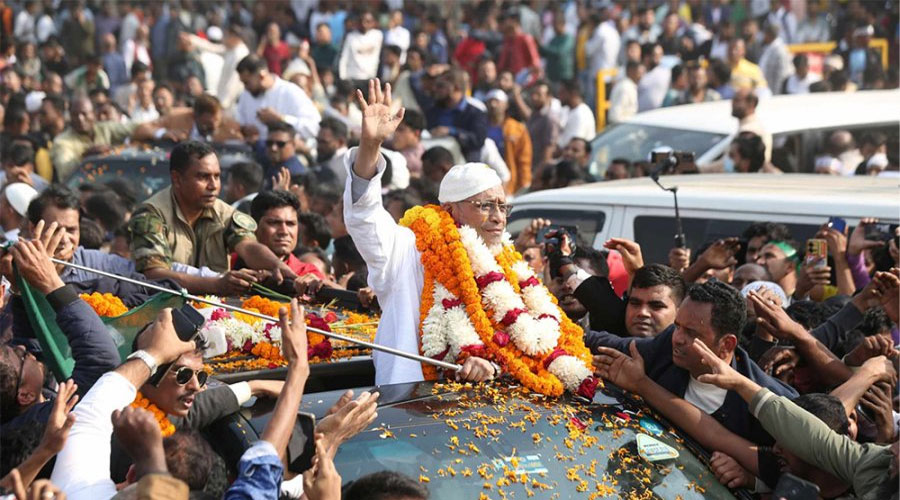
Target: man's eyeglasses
[(184, 375), (487, 207), (280, 144)]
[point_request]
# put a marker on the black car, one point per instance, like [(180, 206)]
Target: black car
[(147, 169), (464, 442)]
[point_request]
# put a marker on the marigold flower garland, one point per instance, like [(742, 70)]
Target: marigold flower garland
[(165, 426), (515, 320), (106, 305)]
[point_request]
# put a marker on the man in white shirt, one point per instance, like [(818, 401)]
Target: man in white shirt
[(24, 29), (267, 99), (362, 49), (396, 273), (655, 82), (579, 119), (623, 101), (799, 82), (602, 48), (397, 35), (232, 51)]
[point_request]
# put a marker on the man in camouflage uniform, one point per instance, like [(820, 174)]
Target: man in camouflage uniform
[(188, 224)]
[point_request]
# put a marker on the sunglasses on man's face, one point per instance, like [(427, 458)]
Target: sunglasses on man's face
[(184, 375), (280, 144)]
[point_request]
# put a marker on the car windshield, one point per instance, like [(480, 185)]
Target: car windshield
[(146, 169), (463, 442), (634, 142)]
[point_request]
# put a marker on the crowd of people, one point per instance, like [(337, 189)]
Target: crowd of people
[(322, 96)]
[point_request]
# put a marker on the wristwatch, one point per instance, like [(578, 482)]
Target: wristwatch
[(147, 358)]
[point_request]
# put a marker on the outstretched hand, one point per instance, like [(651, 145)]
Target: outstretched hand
[(721, 374), (625, 371), (378, 122)]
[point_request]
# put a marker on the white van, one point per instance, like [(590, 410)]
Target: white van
[(799, 124), (711, 205)]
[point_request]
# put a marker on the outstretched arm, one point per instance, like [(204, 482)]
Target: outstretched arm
[(628, 373)]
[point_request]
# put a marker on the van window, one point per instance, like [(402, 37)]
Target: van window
[(656, 234), (634, 142), (589, 223)]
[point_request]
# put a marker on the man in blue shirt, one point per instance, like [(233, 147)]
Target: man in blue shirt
[(61, 205), (452, 116), (714, 313)]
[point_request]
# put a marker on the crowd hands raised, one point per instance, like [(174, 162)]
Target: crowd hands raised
[(41, 428), (764, 356)]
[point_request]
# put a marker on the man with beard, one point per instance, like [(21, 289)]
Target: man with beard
[(331, 146), (267, 99), (453, 116), (187, 223), (743, 107), (87, 137)]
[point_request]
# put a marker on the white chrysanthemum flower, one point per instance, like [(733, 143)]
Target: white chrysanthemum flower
[(570, 371)]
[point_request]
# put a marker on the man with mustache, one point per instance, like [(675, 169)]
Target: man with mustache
[(267, 99), (187, 223), (277, 227)]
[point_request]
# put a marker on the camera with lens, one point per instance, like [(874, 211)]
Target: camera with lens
[(670, 160), (552, 239)]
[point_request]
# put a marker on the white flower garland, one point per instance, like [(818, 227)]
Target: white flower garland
[(535, 331), (532, 334)]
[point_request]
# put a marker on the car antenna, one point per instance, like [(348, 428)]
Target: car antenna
[(667, 163)]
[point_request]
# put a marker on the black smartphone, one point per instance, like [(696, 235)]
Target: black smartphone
[(302, 446), (838, 224), (187, 321), (792, 487), (879, 232)]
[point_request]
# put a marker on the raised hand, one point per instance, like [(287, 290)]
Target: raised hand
[(721, 254), (858, 241), (721, 373), (61, 418), (632, 259), (877, 400), (322, 481), (161, 340), (625, 371), (771, 318), (35, 266), (293, 336), (347, 418), (679, 258), (378, 122)]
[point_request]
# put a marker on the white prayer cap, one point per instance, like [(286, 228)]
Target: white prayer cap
[(214, 33), (19, 196), (774, 287), (497, 94), (468, 179), (33, 101)]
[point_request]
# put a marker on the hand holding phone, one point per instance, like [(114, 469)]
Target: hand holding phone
[(816, 252), (187, 322)]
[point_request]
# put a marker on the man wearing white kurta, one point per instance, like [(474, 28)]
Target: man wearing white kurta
[(471, 193)]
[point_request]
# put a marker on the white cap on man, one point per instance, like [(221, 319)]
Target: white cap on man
[(467, 180), (497, 94), (19, 196)]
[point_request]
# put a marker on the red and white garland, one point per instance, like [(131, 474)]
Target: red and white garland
[(530, 318)]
